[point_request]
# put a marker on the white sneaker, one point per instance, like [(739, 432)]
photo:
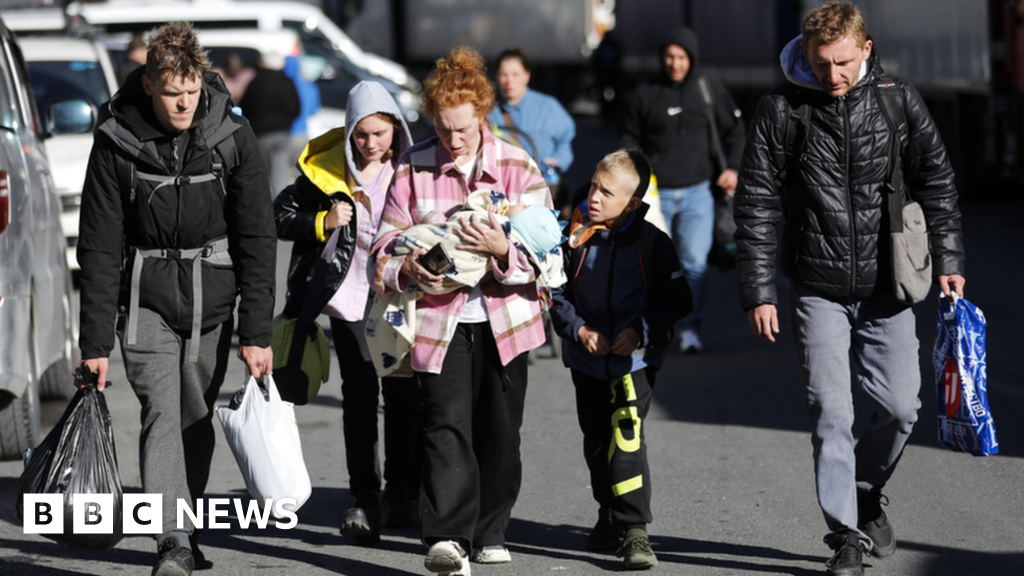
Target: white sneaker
[(690, 342), (492, 555), (447, 558)]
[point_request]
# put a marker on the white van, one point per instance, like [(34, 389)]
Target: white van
[(318, 33)]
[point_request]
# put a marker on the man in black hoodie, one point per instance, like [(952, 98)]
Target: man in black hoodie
[(176, 226), (670, 121)]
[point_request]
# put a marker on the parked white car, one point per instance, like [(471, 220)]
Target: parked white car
[(65, 68), (37, 325)]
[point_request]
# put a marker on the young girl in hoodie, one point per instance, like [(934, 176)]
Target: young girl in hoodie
[(343, 183)]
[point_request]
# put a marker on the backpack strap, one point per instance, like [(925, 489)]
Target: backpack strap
[(797, 126), (707, 95), (890, 100)]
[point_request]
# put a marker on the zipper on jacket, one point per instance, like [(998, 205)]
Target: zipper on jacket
[(849, 195), (611, 310), (176, 235)]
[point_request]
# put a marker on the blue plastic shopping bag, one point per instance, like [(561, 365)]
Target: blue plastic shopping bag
[(965, 421)]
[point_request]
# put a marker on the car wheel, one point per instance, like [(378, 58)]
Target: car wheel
[(19, 424)]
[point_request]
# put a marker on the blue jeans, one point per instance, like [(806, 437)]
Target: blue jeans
[(690, 216)]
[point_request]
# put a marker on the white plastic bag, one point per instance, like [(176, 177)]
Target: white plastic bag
[(264, 438)]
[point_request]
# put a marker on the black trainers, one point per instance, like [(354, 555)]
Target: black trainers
[(848, 559), (605, 537), (174, 560), (362, 520), (873, 522), (199, 560), (397, 510), (636, 551)]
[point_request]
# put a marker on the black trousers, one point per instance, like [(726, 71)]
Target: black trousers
[(359, 401), (611, 415), (471, 466)]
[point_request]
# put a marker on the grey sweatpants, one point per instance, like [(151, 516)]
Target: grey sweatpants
[(873, 341), (177, 396)]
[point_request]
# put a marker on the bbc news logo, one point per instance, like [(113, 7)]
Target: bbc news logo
[(143, 513)]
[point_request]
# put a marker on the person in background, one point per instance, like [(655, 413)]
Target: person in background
[(850, 329), (236, 75), (343, 185), (471, 345), (134, 57), (166, 258), (271, 103), (667, 119), (547, 130), (309, 100)]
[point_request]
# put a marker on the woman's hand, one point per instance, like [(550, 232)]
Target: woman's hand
[(339, 215), (412, 268), (481, 237)]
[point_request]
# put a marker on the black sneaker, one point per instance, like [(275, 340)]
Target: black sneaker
[(174, 560), (199, 560), (636, 551), (605, 537), (873, 522), (362, 520), (848, 559), (397, 510)]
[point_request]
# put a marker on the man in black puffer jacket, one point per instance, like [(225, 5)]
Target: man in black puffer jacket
[(176, 225), (835, 249)]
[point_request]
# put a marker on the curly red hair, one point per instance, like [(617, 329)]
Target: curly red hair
[(456, 80)]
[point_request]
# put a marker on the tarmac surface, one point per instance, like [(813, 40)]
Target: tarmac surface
[(729, 447)]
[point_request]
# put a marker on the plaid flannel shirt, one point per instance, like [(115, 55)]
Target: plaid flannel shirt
[(427, 185)]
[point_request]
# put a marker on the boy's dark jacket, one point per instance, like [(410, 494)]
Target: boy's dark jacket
[(609, 290), (189, 215)]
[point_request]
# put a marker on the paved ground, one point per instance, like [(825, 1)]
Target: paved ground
[(730, 453)]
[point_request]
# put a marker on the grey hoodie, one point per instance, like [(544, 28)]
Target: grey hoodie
[(367, 99)]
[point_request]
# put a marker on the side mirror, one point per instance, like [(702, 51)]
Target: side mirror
[(70, 117)]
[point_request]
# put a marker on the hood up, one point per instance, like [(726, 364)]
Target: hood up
[(367, 99), (798, 70)]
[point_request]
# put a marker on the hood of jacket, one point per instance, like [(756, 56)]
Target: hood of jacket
[(798, 70), (133, 125), (687, 39), (367, 99)]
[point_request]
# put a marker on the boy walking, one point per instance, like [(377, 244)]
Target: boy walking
[(626, 291)]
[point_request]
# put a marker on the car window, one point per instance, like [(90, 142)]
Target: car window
[(8, 99), (62, 80), (314, 43), (25, 111), (219, 54)]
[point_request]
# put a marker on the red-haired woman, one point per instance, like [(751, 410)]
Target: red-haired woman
[(470, 346)]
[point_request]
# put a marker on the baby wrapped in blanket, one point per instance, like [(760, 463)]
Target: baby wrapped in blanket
[(391, 325)]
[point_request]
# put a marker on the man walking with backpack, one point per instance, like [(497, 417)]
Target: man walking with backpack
[(689, 128), (824, 152), (176, 222)]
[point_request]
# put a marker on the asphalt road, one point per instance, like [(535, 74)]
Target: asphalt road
[(730, 454)]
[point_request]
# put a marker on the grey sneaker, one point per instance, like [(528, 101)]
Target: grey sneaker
[(362, 520), (636, 551), (689, 342), (873, 522), (848, 559), (174, 560)]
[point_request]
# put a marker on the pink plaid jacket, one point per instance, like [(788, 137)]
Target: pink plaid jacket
[(428, 187)]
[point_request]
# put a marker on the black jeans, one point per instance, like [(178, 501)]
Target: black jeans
[(471, 467), (359, 393), (611, 412)]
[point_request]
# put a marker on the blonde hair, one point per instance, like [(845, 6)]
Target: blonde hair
[(620, 165), (832, 22), (174, 48), (459, 79)]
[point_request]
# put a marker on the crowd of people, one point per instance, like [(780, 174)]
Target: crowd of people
[(178, 228)]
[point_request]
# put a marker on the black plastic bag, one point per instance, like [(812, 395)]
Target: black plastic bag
[(77, 457)]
